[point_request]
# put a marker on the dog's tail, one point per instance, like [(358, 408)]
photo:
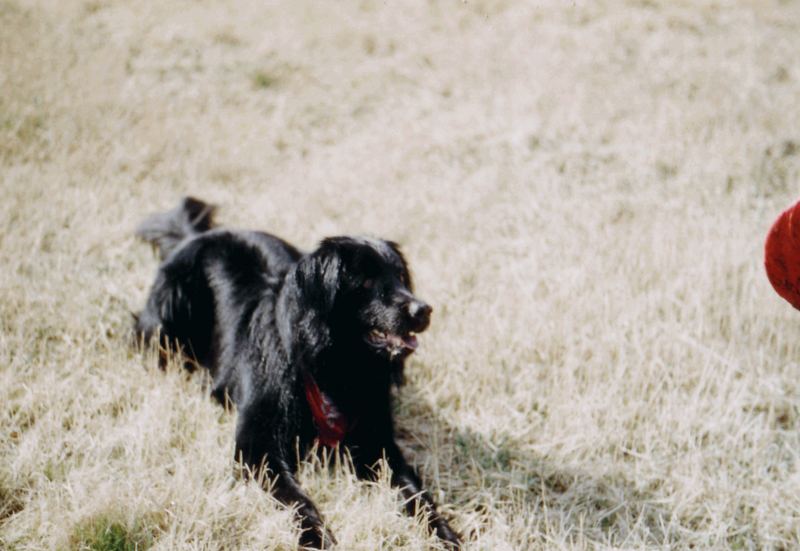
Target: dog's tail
[(165, 230)]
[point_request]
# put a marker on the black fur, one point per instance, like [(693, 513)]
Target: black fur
[(262, 316)]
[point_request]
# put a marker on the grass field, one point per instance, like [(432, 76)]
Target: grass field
[(582, 189)]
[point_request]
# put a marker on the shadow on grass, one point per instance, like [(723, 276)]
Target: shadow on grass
[(488, 481), (483, 478)]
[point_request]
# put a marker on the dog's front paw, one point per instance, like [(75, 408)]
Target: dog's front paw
[(317, 537)]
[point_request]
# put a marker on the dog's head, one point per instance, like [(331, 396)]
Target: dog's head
[(364, 288)]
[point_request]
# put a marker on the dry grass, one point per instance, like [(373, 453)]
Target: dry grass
[(583, 189)]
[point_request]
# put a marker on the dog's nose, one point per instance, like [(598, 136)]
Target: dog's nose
[(420, 313)]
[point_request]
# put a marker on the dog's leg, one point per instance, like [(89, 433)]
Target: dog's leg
[(180, 309), (416, 498), (147, 325), (288, 491), (257, 449)]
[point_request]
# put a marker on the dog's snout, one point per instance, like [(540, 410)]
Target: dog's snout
[(420, 313), (417, 308)]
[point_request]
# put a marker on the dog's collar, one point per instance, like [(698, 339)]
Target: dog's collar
[(332, 425)]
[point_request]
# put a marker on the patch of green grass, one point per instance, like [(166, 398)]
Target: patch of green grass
[(489, 456), (108, 533), (263, 80)]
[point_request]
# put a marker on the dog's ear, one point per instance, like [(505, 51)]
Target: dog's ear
[(318, 277), (308, 297)]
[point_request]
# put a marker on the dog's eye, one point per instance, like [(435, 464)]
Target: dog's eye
[(368, 283)]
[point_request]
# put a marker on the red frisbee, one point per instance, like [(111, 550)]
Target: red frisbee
[(782, 255)]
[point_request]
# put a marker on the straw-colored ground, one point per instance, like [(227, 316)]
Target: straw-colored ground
[(582, 189)]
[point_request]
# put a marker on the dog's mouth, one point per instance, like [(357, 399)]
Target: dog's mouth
[(394, 344)]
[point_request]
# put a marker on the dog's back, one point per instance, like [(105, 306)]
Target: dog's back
[(208, 277)]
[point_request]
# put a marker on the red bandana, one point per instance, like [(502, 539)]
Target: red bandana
[(782, 255), (331, 424)]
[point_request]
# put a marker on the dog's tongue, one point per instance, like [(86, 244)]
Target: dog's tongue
[(410, 341), (403, 341), (782, 255)]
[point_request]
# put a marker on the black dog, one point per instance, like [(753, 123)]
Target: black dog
[(307, 346)]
